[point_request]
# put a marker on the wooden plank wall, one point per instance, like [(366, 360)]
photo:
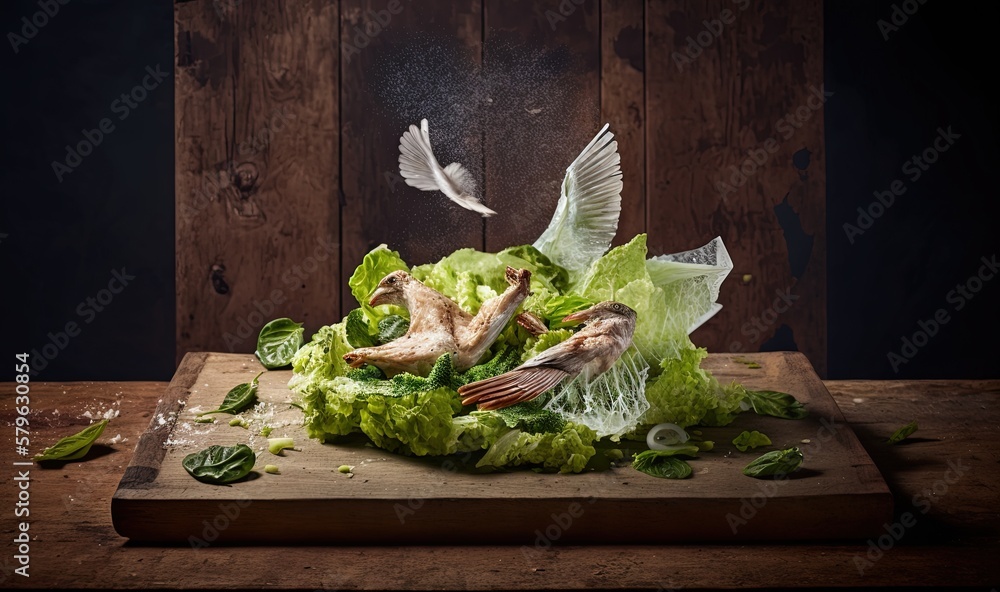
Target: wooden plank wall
[(717, 106)]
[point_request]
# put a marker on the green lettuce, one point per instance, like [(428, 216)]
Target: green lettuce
[(566, 451), (685, 394)]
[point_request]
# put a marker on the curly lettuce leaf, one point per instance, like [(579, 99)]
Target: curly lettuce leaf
[(536, 345), (378, 263), (685, 394), (323, 357), (566, 451)]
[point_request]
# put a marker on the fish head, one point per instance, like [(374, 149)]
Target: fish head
[(391, 289)]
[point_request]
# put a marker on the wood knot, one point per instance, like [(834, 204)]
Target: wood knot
[(218, 281), (245, 177)]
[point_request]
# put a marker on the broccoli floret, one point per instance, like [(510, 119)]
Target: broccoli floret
[(366, 374), (505, 361), (531, 418)]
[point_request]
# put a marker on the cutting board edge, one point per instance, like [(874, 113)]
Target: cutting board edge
[(723, 520)]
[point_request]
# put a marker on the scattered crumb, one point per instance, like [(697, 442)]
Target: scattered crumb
[(118, 438), (858, 400), (533, 111), (806, 440)]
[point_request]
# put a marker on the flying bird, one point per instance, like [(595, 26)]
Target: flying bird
[(590, 352), (438, 325), (420, 169)]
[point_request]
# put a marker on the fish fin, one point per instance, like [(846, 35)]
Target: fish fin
[(416, 158), (516, 386)]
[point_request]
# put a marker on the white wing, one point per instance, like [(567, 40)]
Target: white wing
[(586, 217), (420, 168)]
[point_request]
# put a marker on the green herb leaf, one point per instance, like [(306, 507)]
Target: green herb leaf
[(220, 464), (278, 341), (777, 462), (238, 398), (663, 463), (392, 327), (776, 404), (750, 440), (357, 329), (902, 433), (76, 446)]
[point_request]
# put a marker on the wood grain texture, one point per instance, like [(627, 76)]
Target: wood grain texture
[(839, 494), (623, 104), (391, 79), (954, 544), (256, 169), (543, 57), (734, 81)]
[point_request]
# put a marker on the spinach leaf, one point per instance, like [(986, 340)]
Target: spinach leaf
[(902, 433), (357, 329), (238, 398), (776, 404), (392, 327), (663, 463), (76, 446), (220, 464), (278, 341), (776, 462), (750, 440)]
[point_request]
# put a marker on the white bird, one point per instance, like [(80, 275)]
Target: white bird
[(420, 169)]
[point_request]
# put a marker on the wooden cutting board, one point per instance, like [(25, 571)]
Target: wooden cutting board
[(838, 494)]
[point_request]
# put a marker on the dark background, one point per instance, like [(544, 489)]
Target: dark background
[(59, 242)]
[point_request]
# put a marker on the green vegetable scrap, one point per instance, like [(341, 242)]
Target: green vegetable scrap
[(239, 398), (220, 464), (76, 446), (775, 404), (345, 468), (776, 463), (276, 445), (266, 431), (237, 422), (278, 341), (750, 440), (664, 463), (204, 420), (272, 469), (902, 433)]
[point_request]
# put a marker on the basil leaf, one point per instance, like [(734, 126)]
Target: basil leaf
[(663, 463), (776, 404), (220, 464), (777, 462), (750, 440), (392, 327), (357, 329), (902, 433), (278, 341), (76, 446), (238, 398)]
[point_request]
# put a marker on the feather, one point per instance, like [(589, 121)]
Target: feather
[(517, 386)]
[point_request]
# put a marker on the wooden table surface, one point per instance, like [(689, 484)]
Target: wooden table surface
[(945, 481)]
